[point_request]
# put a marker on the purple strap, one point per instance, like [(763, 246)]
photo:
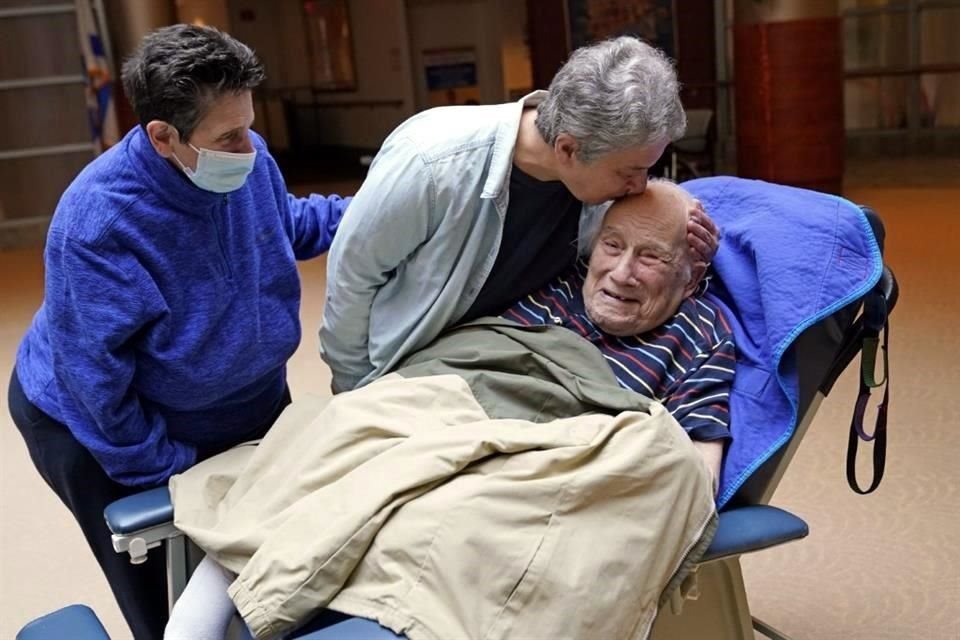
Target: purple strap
[(879, 435)]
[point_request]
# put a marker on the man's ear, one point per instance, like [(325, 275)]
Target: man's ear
[(162, 135), (565, 148)]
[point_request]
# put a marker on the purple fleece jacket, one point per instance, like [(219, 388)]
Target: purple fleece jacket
[(169, 311)]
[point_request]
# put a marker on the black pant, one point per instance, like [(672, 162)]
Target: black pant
[(84, 487)]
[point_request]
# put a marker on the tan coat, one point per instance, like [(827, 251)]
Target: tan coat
[(411, 503)]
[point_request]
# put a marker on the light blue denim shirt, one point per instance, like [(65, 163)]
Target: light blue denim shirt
[(420, 238)]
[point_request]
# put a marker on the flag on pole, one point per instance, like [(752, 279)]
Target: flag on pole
[(100, 96)]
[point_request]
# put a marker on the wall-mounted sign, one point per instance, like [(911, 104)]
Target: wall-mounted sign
[(451, 76)]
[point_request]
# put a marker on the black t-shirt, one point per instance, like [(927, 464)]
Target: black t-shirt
[(539, 241)]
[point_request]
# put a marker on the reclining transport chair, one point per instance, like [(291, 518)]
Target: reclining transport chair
[(814, 356)]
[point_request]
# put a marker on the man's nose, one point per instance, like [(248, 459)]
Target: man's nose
[(247, 144), (622, 273)]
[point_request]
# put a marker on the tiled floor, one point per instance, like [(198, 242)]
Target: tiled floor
[(879, 567)]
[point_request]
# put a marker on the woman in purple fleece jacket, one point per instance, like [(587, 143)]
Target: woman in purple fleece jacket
[(172, 297)]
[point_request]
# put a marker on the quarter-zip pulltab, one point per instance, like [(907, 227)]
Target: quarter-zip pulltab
[(219, 230)]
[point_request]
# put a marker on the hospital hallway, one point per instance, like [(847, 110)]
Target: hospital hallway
[(879, 567)]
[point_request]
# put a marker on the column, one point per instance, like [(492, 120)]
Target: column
[(788, 70)]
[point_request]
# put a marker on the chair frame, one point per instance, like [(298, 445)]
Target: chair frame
[(721, 603), (716, 608)]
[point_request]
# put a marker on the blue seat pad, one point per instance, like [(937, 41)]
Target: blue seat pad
[(139, 511), (751, 528), (77, 622)]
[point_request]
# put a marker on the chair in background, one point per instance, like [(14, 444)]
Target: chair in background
[(692, 156), (76, 622)]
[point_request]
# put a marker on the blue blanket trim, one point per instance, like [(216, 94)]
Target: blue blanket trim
[(792, 337)]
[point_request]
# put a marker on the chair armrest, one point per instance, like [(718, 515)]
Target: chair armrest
[(139, 511), (141, 522), (77, 621), (351, 629), (753, 528)]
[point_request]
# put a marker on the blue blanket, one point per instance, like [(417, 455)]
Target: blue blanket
[(787, 259)]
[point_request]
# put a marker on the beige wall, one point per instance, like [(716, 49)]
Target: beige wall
[(130, 20), (517, 71), (452, 24), (211, 13), (389, 37), (382, 63), (276, 31)]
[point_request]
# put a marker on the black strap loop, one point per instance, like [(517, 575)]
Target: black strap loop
[(879, 435)]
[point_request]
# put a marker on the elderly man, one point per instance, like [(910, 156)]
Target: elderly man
[(172, 297), (635, 303), (423, 499), (465, 209)]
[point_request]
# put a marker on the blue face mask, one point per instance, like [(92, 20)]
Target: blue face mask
[(219, 171)]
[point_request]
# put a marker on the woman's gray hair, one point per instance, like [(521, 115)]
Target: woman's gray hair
[(178, 71), (612, 95)]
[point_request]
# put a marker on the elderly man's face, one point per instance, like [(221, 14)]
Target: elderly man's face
[(640, 268)]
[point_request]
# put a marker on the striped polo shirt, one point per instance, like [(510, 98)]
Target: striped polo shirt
[(686, 364)]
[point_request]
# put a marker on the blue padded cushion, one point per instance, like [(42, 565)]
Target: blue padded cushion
[(139, 511), (77, 622), (352, 629), (753, 528), (741, 530)]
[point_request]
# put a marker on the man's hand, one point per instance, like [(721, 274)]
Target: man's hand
[(712, 453), (702, 236)]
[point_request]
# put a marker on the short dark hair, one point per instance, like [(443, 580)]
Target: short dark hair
[(177, 71)]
